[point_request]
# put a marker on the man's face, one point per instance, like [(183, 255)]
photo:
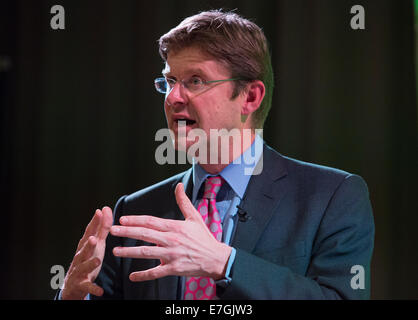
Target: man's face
[(211, 108)]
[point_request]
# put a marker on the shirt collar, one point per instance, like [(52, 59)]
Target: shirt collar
[(237, 173)]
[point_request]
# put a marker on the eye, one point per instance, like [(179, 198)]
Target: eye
[(194, 83)]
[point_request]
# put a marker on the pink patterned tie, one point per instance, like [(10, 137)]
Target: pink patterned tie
[(204, 288)]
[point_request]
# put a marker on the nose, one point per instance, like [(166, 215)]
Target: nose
[(176, 96)]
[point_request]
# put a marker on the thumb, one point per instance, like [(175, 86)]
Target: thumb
[(106, 223), (184, 203)]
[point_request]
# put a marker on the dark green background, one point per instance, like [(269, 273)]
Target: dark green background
[(79, 114)]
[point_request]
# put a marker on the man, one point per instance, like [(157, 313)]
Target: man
[(287, 230)]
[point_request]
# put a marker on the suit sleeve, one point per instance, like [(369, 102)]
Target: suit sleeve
[(344, 239), (110, 278)]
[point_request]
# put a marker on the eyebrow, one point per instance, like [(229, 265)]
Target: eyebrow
[(193, 70)]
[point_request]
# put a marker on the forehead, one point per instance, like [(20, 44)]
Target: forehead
[(192, 60)]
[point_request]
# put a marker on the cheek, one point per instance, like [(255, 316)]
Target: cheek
[(227, 114), (211, 115), (213, 112)]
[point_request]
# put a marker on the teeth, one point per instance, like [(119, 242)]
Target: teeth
[(188, 121)]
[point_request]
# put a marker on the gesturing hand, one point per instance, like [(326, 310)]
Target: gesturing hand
[(185, 248), (87, 262)]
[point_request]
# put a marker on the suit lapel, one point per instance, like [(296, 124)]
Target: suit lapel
[(262, 196)]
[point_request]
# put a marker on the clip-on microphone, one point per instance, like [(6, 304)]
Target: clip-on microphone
[(243, 216)]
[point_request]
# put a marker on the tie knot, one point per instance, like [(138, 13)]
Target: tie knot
[(212, 186)]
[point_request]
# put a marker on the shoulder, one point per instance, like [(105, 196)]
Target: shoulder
[(312, 177), (154, 198), (332, 197), (156, 189)]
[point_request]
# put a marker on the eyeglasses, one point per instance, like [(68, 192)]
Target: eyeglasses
[(192, 84)]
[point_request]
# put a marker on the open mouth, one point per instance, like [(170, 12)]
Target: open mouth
[(188, 122), (185, 122)]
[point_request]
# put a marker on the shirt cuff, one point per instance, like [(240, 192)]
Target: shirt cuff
[(227, 280), (59, 296)]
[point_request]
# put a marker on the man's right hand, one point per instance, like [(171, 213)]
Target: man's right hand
[(87, 262)]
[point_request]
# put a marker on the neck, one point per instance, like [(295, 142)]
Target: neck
[(231, 150)]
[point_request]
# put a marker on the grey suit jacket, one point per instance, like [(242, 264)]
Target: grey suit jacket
[(307, 226)]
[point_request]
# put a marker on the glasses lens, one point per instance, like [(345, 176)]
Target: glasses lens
[(194, 84), (161, 85)]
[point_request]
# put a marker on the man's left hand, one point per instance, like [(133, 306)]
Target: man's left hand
[(185, 248)]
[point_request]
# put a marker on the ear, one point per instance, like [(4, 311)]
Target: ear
[(254, 95)]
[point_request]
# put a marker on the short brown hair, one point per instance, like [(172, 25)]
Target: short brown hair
[(233, 40)]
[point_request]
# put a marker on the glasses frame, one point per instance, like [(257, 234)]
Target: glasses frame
[(183, 84)]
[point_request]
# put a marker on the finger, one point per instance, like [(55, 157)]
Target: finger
[(91, 228), (184, 203), (144, 252), (105, 223), (92, 288), (151, 274), (86, 251), (150, 222), (88, 266), (140, 233)]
